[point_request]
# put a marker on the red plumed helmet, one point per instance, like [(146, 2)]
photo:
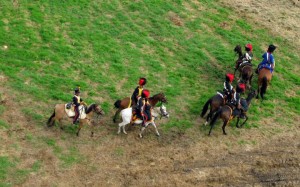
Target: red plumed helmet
[(230, 77), (249, 46), (146, 93), (142, 81), (242, 87)]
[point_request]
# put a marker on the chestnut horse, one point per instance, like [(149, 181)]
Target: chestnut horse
[(215, 102), (245, 68), (60, 113), (264, 78), (126, 103), (226, 113)]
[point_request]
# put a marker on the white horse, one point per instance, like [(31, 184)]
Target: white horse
[(126, 115)]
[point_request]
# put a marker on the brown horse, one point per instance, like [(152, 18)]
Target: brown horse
[(215, 102), (245, 69), (264, 78), (246, 74), (60, 113), (125, 103), (226, 113)]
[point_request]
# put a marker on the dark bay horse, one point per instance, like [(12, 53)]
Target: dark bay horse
[(226, 113), (125, 103), (245, 68), (60, 113), (264, 78), (214, 103)]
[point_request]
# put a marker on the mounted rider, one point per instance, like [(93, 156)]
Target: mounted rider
[(238, 102), (144, 107), (247, 57), (228, 88), (137, 93), (268, 59), (77, 101)]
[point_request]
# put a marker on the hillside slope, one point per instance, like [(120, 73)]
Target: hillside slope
[(184, 48)]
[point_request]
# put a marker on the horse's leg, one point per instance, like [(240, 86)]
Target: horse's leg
[(80, 126), (208, 118), (92, 126), (244, 121), (122, 126), (237, 122), (60, 124), (116, 115), (156, 131), (257, 97), (224, 125), (142, 130)]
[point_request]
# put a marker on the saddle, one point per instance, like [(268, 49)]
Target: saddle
[(69, 109)]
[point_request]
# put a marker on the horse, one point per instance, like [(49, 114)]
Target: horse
[(127, 103), (155, 112), (264, 78), (215, 102), (245, 68), (60, 113), (226, 113)]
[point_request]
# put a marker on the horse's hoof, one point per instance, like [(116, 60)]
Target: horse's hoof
[(205, 123), (225, 133), (140, 136), (158, 135), (77, 134), (118, 132), (125, 132)]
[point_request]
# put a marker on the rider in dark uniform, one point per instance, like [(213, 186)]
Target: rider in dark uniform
[(138, 91), (237, 102), (144, 107), (228, 89), (76, 101)]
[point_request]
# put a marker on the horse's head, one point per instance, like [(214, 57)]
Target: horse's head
[(98, 110), (162, 98), (251, 95), (163, 111), (238, 50)]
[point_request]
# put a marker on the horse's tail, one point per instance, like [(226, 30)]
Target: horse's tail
[(117, 104), (50, 119), (204, 110), (264, 87), (216, 116)]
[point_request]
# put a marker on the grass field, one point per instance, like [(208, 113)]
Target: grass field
[(183, 48)]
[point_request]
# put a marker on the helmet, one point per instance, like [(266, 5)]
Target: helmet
[(146, 93), (77, 90), (142, 81), (229, 77), (240, 88), (248, 47), (271, 48)]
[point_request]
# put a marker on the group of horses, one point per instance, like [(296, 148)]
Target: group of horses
[(219, 105), (123, 106)]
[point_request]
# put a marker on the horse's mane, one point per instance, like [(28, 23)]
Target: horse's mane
[(238, 50), (155, 95), (90, 108)]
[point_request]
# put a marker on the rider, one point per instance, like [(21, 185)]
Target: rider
[(144, 107), (248, 55), (228, 89), (76, 101), (240, 88), (268, 59), (136, 95)]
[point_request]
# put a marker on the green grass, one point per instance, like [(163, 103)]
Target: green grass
[(105, 46)]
